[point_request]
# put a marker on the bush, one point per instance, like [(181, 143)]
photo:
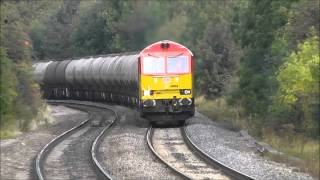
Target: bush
[(8, 91)]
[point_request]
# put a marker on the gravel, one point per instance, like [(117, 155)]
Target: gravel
[(125, 153), (170, 145), (236, 151), (71, 158), (17, 155)]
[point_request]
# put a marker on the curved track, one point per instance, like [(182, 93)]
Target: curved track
[(174, 148), (210, 160), (149, 138), (42, 155)]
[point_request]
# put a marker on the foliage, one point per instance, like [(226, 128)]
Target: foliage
[(243, 49), (51, 36), (20, 97), (13, 38), (299, 84), (90, 35), (300, 73), (271, 90), (8, 90), (256, 29), (28, 101)]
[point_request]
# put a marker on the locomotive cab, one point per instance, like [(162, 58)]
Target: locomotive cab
[(166, 81)]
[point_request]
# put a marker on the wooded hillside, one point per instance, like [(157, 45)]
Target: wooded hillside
[(260, 55)]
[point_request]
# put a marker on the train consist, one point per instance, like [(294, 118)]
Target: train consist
[(158, 80)]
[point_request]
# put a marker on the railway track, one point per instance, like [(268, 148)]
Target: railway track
[(235, 174), (174, 148), (42, 156)]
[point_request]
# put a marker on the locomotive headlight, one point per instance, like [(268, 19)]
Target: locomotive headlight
[(147, 92), (185, 91)]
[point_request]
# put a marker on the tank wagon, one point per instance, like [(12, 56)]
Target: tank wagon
[(158, 80)]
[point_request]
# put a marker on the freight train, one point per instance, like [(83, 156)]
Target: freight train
[(157, 80)]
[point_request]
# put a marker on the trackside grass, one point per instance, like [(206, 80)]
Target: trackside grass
[(16, 128), (306, 150), (218, 110), (299, 151)]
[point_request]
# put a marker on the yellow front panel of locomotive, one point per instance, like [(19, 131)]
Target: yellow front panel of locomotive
[(165, 87)]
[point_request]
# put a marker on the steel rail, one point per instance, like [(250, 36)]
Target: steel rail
[(49, 146), (210, 160), (149, 136), (96, 143)]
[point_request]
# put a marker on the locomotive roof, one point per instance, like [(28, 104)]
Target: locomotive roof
[(165, 44)]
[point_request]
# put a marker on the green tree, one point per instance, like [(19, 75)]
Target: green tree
[(95, 32), (299, 84), (256, 29), (20, 97), (51, 36)]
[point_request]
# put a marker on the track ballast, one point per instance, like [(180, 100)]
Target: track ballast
[(100, 172), (174, 148)]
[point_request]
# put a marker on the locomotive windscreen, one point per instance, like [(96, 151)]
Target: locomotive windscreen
[(178, 65), (153, 65)]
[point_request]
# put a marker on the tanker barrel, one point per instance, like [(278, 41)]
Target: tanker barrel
[(91, 74), (61, 73), (50, 74), (79, 71), (131, 71), (83, 73), (107, 73), (70, 73), (120, 72), (97, 72), (39, 71)]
